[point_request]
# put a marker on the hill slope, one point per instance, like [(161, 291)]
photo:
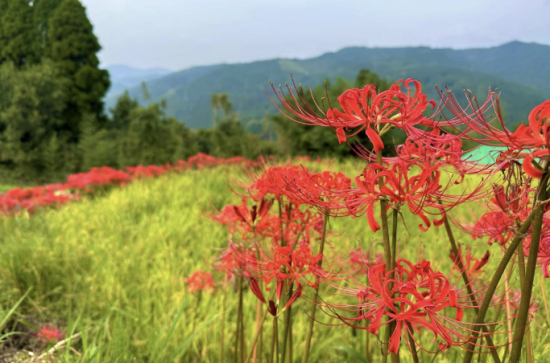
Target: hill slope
[(518, 69)]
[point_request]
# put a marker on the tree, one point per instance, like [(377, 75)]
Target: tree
[(73, 47), (220, 102), (153, 138), (19, 37), (42, 11), (31, 108), (121, 112)]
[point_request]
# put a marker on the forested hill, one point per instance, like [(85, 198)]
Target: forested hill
[(521, 71)]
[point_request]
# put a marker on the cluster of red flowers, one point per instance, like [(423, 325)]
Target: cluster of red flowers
[(29, 199), (199, 281), (423, 177), (278, 231), (276, 223), (414, 297), (50, 335)]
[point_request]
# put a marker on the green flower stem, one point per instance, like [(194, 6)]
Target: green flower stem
[(255, 340), (367, 333), (530, 268), (274, 342), (395, 357), (521, 269), (288, 317), (491, 288), (468, 283), (412, 344), (224, 307), (309, 335), (387, 252)]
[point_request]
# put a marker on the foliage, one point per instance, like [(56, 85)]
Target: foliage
[(72, 46), (18, 33), (31, 109)]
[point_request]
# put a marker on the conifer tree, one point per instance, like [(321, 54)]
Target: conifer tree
[(18, 42), (42, 11), (31, 105), (73, 47), (121, 112), (3, 39)]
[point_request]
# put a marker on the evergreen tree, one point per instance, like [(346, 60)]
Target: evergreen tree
[(96, 147), (153, 138), (72, 45), (121, 112), (31, 105), (42, 11), (19, 37), (3, 39)]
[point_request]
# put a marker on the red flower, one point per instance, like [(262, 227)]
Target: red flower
[(400, 186), (50, 334), (363, 109), (472, 265), (416, 296), (200, 280), (363, 261), (288, 266)]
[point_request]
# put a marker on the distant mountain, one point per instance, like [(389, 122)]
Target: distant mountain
[(520, 70), (125, 77)]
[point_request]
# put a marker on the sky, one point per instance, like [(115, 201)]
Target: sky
[(178, 34)]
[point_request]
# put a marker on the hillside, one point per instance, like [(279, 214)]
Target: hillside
[(518, 69)]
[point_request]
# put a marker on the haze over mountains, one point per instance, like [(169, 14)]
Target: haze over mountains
[(521, 71)]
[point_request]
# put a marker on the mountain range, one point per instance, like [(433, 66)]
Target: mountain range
[(521, 71)]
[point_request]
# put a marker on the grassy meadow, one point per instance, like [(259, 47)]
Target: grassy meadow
[(109, 271)]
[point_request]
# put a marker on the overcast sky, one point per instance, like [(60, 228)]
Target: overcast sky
[(178, 34)]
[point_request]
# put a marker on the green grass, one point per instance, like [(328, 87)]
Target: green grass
[(111, 269), (6, 187)]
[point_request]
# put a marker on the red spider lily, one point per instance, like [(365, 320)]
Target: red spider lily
[(288, 266), (536, 136), (543, 256), (508, 208), (98, 176), (410, 296), (516, 299), (202, 160), (362, 261), (48, 334), (18, 199), (243, 218), (495, 225), (238, 260), (325, 190), (527, 142), (472, 265), (399, 187), (148, 171), (199, 280), (362, 109), (474, 118), (277, 181)]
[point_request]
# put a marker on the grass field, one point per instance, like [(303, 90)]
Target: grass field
[(110, 269)]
